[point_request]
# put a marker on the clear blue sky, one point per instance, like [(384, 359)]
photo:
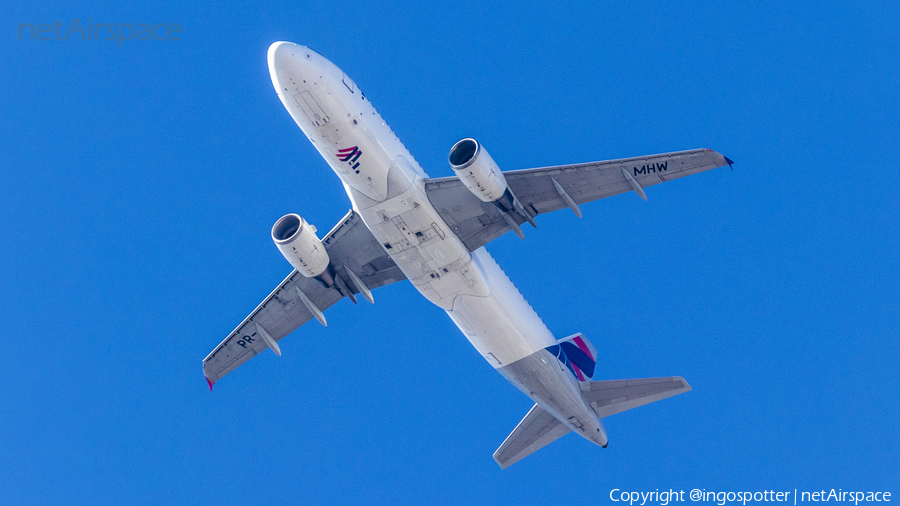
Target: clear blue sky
[(139, 185)]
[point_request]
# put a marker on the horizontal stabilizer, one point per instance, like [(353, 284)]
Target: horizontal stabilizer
[(538, 429), (611, 397)]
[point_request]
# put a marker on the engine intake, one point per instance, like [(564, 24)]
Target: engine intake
[(477, 170), (297, 241)]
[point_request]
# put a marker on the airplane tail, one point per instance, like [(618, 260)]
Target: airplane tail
[(577, 354), (615, 396), (539, 428)]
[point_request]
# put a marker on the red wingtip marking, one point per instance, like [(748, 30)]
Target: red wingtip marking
[(210, 384)]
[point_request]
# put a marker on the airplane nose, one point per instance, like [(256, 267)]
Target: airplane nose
[(280, 54)]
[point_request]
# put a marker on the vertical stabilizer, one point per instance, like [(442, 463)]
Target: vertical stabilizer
[(578, 354)]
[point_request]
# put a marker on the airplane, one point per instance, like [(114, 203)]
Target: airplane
[(433, 232)]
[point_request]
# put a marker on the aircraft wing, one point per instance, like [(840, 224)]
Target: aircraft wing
[(349, 243), (477, 222)]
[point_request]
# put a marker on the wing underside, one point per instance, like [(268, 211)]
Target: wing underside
[(350, 244), (478, 223)]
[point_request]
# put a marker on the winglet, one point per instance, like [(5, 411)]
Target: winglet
[(729, 161), (210, 383)]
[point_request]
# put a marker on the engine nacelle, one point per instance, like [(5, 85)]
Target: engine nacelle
[(477, 170), (297, 241)]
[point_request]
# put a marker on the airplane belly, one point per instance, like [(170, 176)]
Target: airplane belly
[(471, 287), (502, 326), (386, 188), (350, 148), (431, 256)]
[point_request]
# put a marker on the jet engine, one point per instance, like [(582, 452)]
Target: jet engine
[(297, 241), (477, 170), (480, 174)]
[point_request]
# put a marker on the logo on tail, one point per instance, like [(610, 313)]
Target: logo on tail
[(577, 354)]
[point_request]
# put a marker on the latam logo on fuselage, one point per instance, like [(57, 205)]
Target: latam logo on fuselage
[(652, 168), (350, 155)]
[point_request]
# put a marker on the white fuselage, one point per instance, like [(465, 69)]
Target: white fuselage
[(386, 187)]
